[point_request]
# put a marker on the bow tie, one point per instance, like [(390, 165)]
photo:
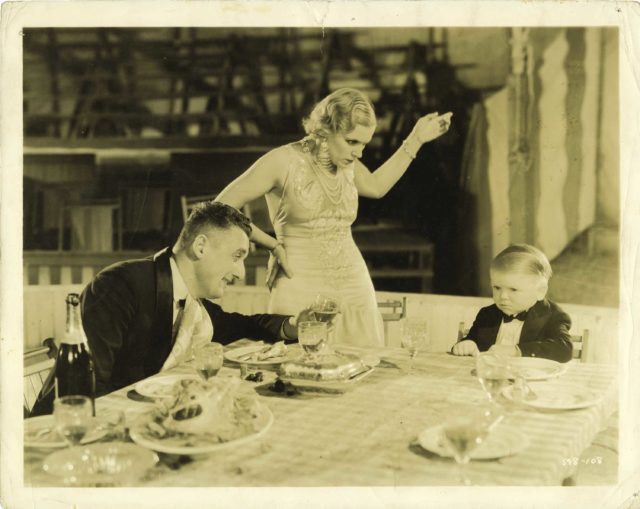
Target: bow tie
[(520, 316)]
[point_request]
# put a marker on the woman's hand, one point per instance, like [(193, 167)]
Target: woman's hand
[(431, 126), (277, 262)]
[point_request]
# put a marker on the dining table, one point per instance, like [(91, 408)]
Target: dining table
[(368, 435)]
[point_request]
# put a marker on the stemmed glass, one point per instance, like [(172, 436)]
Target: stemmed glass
[(72, 415), (413, 337), (326, 308), (312, 336), (208, 360), (465, 428), (493, 372)]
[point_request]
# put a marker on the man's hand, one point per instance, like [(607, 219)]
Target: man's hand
[(290, 326), (506, 350), (466, 347)]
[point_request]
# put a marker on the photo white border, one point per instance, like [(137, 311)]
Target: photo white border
[(17, 15)]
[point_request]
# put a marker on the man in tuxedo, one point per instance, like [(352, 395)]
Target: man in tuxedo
[(143, 316), (522, 321)]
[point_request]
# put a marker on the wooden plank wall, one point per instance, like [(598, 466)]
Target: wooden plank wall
[(44, 316)]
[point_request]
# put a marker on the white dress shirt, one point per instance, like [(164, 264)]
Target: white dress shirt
[(509, 333), (180, 290)]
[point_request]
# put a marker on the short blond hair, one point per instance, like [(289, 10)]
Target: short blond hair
[(523, 258)]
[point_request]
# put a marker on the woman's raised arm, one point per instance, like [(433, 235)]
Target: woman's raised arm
[(378, 183)]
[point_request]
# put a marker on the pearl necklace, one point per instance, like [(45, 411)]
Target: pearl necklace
[(328, 178)]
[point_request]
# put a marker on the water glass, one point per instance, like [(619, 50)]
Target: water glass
[(325, 308), (465, 428), (73, 416), (312, 336), (493, 372), (413, 337), (208, 360)]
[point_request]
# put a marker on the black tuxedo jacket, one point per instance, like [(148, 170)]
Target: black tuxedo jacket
[(127, 316), (545, 332)]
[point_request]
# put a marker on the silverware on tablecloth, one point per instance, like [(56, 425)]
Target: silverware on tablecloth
[(136, 396)]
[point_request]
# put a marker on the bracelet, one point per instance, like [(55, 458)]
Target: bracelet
[(405, 147)]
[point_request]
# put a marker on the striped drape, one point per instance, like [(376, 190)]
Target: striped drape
[(551, 185)]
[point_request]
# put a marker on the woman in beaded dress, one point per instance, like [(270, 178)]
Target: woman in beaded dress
[(312, 188)]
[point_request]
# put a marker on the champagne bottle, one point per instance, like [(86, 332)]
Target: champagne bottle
[(74, 372)]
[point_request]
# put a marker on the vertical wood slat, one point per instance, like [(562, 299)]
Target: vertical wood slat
[(44, 276), (65, 276)]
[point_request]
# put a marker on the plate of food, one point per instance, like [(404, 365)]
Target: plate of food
[(163, 386), (41, 432), (501, 442), (536, 368), (204, 418), (554, 396), (263, 354)]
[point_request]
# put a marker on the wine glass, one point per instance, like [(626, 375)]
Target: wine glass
[(312, 336), (413, 337), (493, 372), (208, 360), (464, 429), (72, 415), (326, 308)]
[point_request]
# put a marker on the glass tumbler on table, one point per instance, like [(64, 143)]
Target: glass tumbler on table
[(208, 360), (312, 336), (73, 416)]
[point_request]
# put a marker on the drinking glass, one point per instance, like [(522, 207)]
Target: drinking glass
[(413, 337), (312, 336), (72, 415), (493, 372), (326, 308), (208, 360), (464, 429)]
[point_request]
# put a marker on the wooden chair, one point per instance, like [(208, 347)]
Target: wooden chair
[(37, 364), (463, 330), (580, 343), (392, 310)]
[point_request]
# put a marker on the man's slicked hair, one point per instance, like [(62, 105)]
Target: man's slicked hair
[(212, 215)]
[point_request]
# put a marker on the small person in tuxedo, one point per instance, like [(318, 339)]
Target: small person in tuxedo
[(521, 322)]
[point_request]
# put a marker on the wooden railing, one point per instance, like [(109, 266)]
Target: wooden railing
[(44, 316), (73, 267)]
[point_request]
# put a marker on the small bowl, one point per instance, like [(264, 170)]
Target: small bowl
[(103, 464)]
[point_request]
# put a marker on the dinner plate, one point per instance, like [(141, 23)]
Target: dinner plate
[(190, 444), (41, 432), (158, 387), (501, 442), (328, 385), (237, 354), (554, 396), (535, 368), (100, 464)]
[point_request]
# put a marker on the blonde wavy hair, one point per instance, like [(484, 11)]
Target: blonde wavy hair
[(339, 112)]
